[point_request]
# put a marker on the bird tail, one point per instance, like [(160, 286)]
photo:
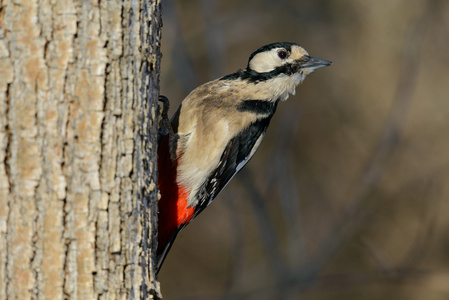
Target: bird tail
[(163, 250)]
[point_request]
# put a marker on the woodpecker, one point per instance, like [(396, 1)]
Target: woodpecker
[(217, 129)]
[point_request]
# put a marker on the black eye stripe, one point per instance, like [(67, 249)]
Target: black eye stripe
[(254, 77)]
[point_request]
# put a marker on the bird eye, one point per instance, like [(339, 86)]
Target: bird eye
[(282, 54)]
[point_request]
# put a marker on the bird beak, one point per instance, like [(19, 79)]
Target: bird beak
[(313, 63)]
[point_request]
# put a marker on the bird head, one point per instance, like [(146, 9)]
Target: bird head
[(284, 58), (276, 69)]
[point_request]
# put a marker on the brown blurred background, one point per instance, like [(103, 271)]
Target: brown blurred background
[(347, 197)]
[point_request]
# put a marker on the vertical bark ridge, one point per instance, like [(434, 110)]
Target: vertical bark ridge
[(78, 97)]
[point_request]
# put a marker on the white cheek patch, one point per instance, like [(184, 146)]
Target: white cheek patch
[(265, 62)]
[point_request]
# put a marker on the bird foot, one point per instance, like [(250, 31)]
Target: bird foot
[(164, 124)]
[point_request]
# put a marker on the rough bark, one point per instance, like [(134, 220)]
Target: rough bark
[(78, 108)]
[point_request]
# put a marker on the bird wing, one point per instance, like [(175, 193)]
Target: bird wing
[(236, 155)]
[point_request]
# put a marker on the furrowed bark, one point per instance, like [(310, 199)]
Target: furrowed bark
[(79, 84)]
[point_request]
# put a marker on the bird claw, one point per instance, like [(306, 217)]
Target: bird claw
[(165, 127)]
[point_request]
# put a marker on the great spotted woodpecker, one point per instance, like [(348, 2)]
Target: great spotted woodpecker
[(217, 129)]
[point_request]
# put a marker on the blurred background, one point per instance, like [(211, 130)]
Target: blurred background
[(347, 197)]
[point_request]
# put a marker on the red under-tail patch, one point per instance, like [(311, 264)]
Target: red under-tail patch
[(173, 209)]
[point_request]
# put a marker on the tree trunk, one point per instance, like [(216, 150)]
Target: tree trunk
[(79, 83)]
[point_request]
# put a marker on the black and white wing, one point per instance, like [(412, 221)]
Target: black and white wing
[(235, 156)]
